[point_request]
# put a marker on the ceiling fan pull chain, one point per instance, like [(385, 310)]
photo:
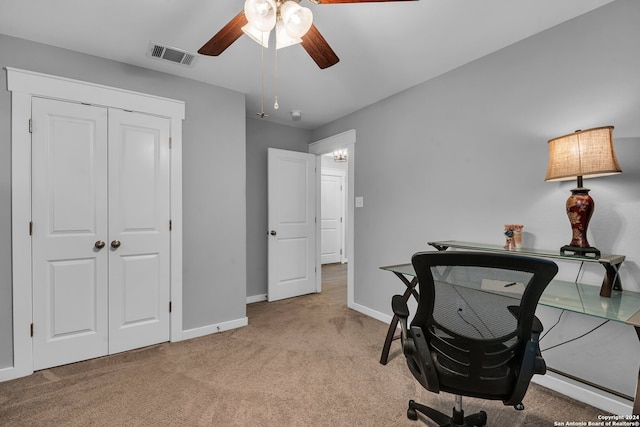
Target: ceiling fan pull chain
[(275, 104), (262, 114)]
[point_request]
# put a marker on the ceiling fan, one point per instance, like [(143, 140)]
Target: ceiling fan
[(266, 13)]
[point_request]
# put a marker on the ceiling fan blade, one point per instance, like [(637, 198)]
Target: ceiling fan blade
[(318, 48), (351, 1), (225, 37)]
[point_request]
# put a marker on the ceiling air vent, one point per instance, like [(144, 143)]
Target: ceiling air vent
[(171, 54)]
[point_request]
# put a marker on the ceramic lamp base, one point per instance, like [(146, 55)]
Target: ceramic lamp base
[(579, 210)]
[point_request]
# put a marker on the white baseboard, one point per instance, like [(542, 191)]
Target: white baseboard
[(215, 328), (385, 318), (256, 298), (11, 373), (585, 393)]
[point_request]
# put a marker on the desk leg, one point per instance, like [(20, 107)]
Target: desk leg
[(611, 280), (636, 401), (411, 285)]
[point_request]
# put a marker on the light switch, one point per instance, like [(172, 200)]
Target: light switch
[(359, 202)]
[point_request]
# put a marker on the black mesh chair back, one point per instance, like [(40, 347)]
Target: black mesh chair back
[(475, 331)]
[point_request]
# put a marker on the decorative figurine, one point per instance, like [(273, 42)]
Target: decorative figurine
[(514, 236)]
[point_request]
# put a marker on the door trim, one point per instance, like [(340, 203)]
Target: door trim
[(343, 140), (24, 85)]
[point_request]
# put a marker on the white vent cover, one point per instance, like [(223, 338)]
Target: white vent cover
[(171, 54)]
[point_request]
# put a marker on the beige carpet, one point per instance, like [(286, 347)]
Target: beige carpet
[(307, 361)]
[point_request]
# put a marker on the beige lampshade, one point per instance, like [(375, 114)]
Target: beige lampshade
[(587, 153)]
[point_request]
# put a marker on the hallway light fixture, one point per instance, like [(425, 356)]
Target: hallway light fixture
[(340, 155)]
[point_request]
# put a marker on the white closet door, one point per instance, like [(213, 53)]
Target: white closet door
[(100, 213), (69, 215), (139, 238)]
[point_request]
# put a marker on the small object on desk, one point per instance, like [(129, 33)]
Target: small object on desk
[(514, 236)]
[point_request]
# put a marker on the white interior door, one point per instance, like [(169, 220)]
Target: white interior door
[(331, 187), (291, 221), (69, 216), (139, 287)]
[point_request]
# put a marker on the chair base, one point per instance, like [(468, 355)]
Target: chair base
[(456, 420)]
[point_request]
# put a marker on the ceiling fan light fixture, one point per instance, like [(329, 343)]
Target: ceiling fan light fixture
[(261, 14), (260, 37), (296, 19), (283, 39)]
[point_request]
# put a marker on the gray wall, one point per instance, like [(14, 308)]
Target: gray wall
[(261, 135), (214, 207), (461, 155)]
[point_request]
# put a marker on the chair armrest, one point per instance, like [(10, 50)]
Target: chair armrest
[(399, 306), (423, 361), (415, 347), (400, 309), (536, 327), (532, 361)]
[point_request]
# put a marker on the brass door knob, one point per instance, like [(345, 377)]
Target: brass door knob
[(115, 244), (99, 244)]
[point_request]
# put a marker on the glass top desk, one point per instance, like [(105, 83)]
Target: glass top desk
[(621, 306), (611, 263)]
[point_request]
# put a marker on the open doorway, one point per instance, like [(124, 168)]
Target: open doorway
[(333, 224), (344, 142)]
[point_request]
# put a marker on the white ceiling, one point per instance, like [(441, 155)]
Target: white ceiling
[(383, 48)]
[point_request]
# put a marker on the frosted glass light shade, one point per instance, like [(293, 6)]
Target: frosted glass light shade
[(261, 14), (282, 37), (296, 19), (260, 37), (587, 153)]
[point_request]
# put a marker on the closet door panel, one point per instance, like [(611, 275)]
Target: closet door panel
[(69, 216), (139, 213)]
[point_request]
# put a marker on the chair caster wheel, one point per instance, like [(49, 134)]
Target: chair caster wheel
[(483, 418), (519, 407), (411, 412)]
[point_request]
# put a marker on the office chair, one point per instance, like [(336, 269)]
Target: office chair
[(474, 332)]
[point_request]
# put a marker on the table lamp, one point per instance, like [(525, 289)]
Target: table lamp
[(582, 154)]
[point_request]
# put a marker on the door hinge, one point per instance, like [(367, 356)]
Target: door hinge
[(30, 228), (169, 306), (30, 125), (340, 251), (170, 143), (170, 225), (31, 329), (340, 219)]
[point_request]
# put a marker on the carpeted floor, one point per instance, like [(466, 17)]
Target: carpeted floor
[(306, 361)]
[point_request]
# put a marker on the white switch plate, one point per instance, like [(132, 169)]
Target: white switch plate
[(359, 202)]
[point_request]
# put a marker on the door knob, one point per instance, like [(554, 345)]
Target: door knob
[(115, 244), (273, 232), (99, 244)]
